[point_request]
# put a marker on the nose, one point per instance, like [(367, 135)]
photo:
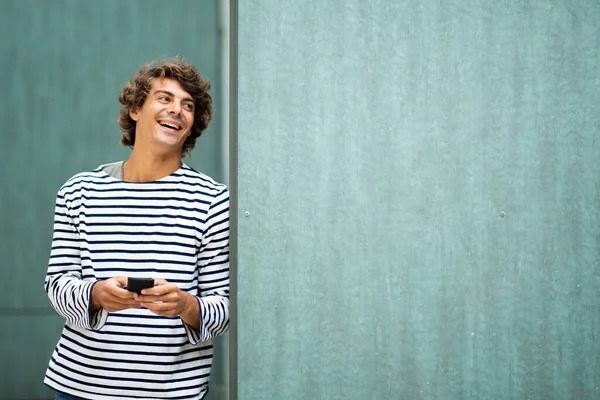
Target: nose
[(175, 108)]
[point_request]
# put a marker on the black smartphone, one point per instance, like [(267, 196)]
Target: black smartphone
[(137, 284)]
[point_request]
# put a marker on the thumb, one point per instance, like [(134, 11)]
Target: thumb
[(121, 281)]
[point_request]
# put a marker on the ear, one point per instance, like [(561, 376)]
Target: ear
[(134, 114)]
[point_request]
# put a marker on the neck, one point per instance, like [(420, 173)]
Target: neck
[(147, 167)]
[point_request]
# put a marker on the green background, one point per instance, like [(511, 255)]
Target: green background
[(422, 186), (64, 63)]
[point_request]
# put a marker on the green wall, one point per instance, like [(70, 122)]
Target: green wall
[(64, 63), (418, 193)]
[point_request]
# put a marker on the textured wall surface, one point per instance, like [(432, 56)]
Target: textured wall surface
[(64, 63), (422, 182)]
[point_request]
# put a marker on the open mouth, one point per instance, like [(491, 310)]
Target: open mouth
[(170, 125)]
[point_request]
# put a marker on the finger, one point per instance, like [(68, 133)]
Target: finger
[(112, 306), (168, 314), (121, 293), (160, 282), (160, 290), (112, 288), (120, 300), (132, 303), (169, 298), (123, 302), (121, 281), (162, 307)]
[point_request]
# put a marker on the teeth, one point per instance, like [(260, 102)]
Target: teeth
[(168, 125)]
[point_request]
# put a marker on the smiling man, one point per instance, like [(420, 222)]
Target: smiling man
[(150, 217)]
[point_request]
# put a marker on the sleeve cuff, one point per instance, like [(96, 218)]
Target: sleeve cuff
[(195, 336), (97, 320)]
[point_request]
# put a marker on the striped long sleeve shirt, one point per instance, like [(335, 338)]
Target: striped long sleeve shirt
[(175, 228)]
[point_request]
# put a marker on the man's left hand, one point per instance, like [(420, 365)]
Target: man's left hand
[(168, 300)]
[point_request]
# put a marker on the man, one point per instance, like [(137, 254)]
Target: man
[(151, 216)]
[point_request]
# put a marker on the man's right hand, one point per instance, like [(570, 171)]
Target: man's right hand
[(111, 295)]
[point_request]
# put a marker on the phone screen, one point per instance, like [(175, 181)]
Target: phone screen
[(137, 284)]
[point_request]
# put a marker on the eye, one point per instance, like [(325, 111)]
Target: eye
[(164, 98), (189, 107)]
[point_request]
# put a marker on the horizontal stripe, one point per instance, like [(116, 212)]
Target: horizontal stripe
[(177, 362), (89, 342), (125, 233), (169, 191), (110, 385), (142, 251), (139, 242), (138, 370), (110, 198), (135, 207), (121, 377), (177, 229), (57, 385)]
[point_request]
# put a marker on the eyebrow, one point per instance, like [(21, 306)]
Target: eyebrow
[(171, 94)]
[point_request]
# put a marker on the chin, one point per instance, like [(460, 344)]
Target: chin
[(169, 141)]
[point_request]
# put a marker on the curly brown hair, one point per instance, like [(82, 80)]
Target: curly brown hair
[(134, 94)]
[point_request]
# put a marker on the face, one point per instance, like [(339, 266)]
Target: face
[(165, 119)]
